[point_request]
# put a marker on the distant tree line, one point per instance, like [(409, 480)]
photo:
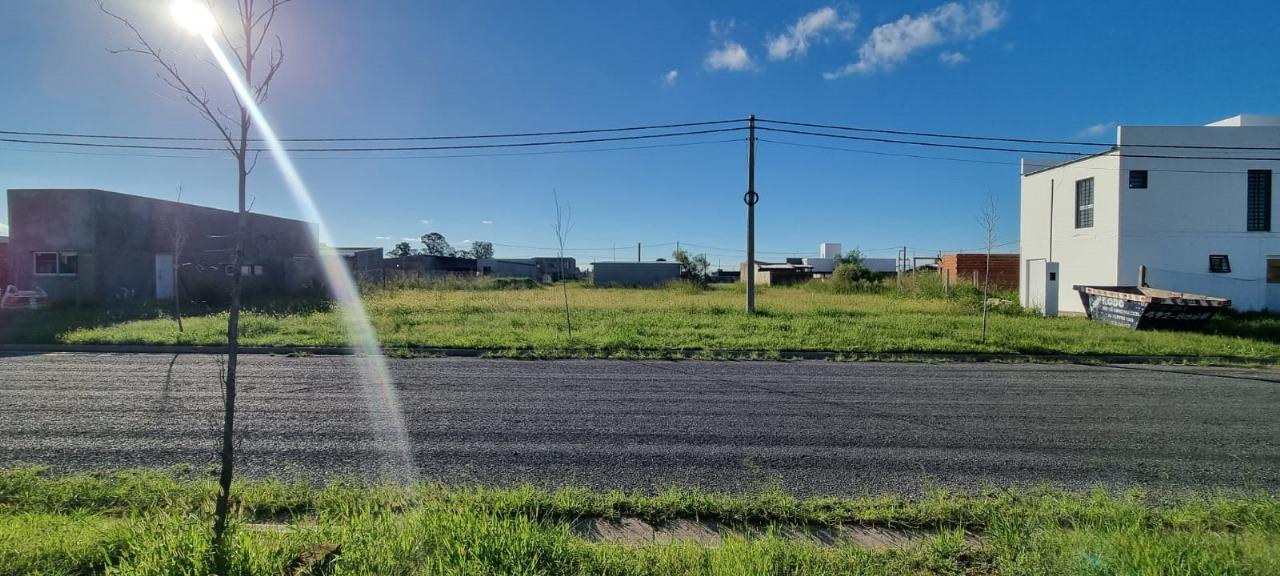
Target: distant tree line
[(434, 244)]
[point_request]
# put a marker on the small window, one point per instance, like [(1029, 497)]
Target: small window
[(56, 263), (68, 263), (1137, 179), (1084, 203), (246, 270), (257, 269), (1219, 264), (1273, 270), (46, 262), (230, 270), (1259, 202)]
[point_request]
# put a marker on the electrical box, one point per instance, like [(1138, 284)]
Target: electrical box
[(1042, 286)]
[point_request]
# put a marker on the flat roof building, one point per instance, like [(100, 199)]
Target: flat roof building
[(88, 245), (1192, 204)]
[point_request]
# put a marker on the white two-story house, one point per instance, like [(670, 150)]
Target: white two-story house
[(1193, 204)]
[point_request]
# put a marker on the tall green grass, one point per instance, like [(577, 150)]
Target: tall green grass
[(920, 318), (150, 522)]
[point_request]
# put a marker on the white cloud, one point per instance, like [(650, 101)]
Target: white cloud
[(721, 28), (893, 43), (952, 58), (670, 77), (427, 222), (381, 237), (487, 222), (1098, 129), (730, 56), (808, 28), (410, 239)]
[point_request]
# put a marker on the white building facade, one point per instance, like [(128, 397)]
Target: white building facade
[(1190, 203)]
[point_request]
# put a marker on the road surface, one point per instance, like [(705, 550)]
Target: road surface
[(812, 427)]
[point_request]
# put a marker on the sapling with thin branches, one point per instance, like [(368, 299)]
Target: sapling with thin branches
[(562, 226), (990, 221), (244, 35)]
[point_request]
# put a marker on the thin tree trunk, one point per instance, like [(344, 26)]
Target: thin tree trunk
[(986, 287), (222, 554), (177, 299), (565, 284)]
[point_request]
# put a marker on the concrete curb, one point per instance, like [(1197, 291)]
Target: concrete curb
[(647, 354)]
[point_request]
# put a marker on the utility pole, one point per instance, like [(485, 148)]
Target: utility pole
[(751, 198), (637, 251)]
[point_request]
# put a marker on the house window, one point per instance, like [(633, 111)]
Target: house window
[(56, 263), (1273, 270), (1219, 264), (1259, 208), (1137, 179), (257, 269), (1084, 203)]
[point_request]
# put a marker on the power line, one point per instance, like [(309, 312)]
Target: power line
[(977, 161), (371, 157), (1114, 150), (878, 153), (379, 138), (1007, 138), (388, 148)]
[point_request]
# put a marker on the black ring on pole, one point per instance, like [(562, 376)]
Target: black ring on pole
[(751, 198)]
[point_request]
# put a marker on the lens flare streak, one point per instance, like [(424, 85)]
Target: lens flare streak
[(380, 392)]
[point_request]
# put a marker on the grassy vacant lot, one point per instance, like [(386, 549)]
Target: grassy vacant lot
[(148, 522), (614, 320)]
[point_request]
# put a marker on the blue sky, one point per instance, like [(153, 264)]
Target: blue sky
[(1034, 69)]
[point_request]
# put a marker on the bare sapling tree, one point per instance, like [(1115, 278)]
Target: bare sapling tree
[(244, 35), (990, 220), (562, 226), (178, 234)]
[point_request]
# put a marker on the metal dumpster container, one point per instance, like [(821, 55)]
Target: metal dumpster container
[(1142, 307)]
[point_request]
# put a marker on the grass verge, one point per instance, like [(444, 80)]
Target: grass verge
[(151, 522), (529, 322)]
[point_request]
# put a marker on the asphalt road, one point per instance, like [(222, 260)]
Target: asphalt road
[(812, 427)]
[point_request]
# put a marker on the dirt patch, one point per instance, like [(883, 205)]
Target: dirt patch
[(635, 532)]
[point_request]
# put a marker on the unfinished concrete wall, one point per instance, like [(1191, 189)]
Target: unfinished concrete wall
[(117, 237)]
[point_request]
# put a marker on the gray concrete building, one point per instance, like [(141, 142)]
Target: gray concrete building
[(96, 246), (364, 264), (633, 273), (427, 266), (540, 268)]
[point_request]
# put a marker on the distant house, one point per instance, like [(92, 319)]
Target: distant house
[(542, 268), (425, 266), (364, 264), (87, 245), (884, 266), (973, 267), (1203, 225), (767, 274), (634, 273)]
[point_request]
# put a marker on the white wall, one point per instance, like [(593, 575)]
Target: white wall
[(1086, 255), (1194, 208)]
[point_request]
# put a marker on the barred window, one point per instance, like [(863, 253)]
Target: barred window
[(1259, 208), (1084, 203), (56, 263), (1137, 178)]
